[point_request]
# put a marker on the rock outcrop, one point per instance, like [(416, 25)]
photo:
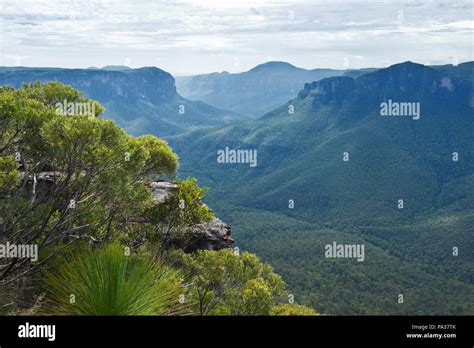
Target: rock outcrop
[(209, 235), (205, 235), (162, 190)]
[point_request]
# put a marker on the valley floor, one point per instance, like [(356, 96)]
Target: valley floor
[(408, 270)]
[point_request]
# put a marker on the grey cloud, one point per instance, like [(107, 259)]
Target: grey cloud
[(251, 30)]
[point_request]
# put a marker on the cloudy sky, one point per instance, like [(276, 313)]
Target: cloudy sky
[(200, 36)]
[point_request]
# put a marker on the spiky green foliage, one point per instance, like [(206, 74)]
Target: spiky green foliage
[(108, 282)]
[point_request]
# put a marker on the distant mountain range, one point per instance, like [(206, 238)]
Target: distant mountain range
[(254, 92), (267, 86), (140, 100), (146, 100), (342, 114), (396, 183)]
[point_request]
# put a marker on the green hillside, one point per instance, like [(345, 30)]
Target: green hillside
[(300, 158)]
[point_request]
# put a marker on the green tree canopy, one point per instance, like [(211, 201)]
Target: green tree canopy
[(65, 176), (225, 282)]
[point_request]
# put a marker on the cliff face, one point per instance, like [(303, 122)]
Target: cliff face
[(150, 84), (404, 81), (142, 101)]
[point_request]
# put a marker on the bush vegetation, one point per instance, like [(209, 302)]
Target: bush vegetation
[(78, 187)]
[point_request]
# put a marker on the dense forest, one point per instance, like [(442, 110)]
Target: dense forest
[(432, 281), (332, 169)]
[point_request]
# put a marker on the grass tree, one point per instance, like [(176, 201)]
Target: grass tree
[(111, 282)]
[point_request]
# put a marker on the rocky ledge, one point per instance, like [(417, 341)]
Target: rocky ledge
[(205, 235), (212, 235)]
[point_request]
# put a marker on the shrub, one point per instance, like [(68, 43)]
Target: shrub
[(107, 282)]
